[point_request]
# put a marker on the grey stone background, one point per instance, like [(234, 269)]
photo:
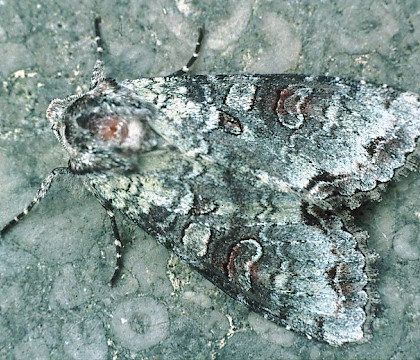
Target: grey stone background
[(55, 265)]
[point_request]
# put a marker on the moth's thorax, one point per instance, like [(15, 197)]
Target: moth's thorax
[(105, 128)]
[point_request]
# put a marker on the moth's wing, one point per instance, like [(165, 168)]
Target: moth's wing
[(321, 135), (295, 264), (292, 262), (299, 276)]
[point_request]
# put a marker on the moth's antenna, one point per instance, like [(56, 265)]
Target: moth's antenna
[(187, 68), (98, 70)]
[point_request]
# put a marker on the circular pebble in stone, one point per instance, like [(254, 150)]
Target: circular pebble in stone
[(140, 323), (270, 331)]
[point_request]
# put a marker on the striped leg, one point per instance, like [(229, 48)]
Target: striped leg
[(187, 68), (98, 74), (98, 70), (42, 191), (118, 248)]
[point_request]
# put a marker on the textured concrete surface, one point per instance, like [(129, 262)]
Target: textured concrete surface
[(54, 266)]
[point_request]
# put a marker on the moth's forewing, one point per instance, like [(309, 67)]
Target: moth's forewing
[(252, 241), (323, 135)]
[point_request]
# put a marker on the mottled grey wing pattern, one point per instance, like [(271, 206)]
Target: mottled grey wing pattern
[(251, 240), (245, 176), (322, 135)]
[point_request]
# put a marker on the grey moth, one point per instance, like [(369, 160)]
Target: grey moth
[(249, 178)]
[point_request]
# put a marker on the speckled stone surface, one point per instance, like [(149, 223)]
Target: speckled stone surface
[(55, 265)]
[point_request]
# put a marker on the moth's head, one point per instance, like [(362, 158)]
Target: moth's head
[(105, 129)]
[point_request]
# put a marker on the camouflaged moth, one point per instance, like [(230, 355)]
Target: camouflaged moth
[(248, 178)]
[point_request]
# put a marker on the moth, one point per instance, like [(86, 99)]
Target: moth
[(249, 178)]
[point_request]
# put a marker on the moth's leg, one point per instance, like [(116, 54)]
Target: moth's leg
[(98, 70), (42, 191), (187, 68), (118, 246)]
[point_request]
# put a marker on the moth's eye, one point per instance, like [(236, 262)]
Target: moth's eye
[(111, 128)]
